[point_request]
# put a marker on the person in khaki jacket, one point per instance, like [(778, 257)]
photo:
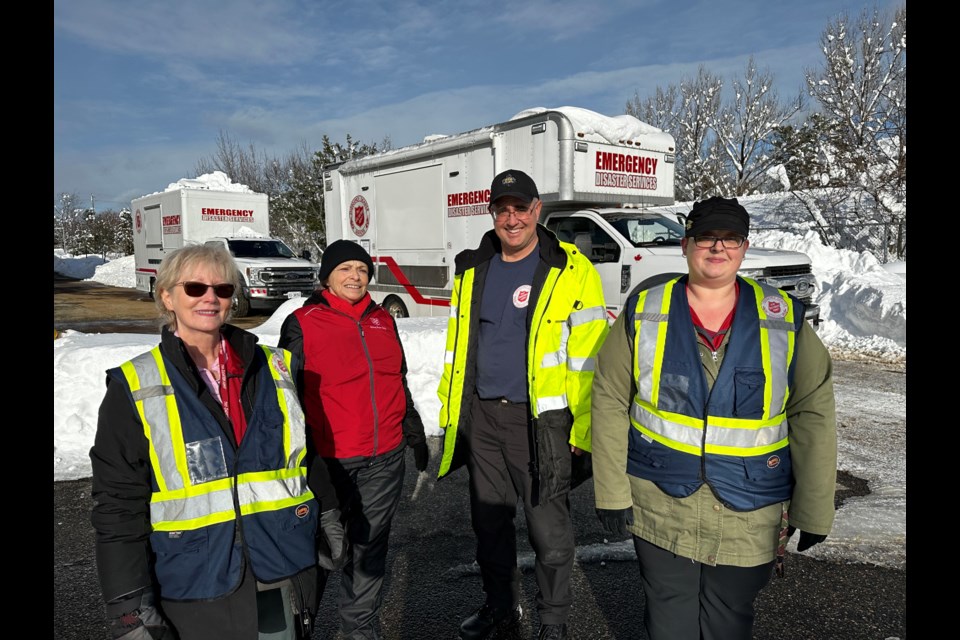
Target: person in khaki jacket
[(714, 434)]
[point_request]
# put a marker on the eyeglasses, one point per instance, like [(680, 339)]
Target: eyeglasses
[(196, 289), (521, 211), (708, 242)]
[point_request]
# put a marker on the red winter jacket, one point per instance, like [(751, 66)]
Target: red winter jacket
[(352, 377)]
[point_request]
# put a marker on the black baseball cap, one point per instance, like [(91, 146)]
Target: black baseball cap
[(717, 214), (513, 183)]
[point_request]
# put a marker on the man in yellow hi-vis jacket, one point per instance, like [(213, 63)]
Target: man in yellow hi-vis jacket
[(527, 318)]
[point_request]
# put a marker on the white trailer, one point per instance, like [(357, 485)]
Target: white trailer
[(414, 208), (189, 212)]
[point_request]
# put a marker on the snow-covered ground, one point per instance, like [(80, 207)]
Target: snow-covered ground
[(863, 306)]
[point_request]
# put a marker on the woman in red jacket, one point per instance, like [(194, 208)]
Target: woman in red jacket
[(351, 378)]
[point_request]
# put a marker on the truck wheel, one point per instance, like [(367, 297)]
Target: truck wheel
[(395, 307), (241, 305)]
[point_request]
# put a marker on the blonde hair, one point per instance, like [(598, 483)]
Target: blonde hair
[(180, 261)]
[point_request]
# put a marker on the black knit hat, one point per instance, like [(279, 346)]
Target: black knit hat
[(339, 252), (513, 183), (717, 214)]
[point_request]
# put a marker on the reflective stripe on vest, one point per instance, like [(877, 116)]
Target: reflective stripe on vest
[(743, 437), (178, 504)]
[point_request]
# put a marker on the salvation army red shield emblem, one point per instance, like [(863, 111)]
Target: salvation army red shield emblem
[(774, 306), (359, 215), (138, 221)]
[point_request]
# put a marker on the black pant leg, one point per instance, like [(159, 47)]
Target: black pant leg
[(493, 506)]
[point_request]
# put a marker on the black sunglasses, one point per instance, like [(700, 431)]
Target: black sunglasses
[(197, 289)]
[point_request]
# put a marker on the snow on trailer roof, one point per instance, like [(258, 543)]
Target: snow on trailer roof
[(612, 129), (216, 181)]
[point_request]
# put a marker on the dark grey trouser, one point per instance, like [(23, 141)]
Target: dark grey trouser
[(500, 466), (227, 618), (688, 600), (369, 496)]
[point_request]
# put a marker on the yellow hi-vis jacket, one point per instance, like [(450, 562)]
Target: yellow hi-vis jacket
[(566, 325)]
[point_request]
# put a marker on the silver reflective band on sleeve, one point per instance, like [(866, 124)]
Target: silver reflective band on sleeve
[(587, 315), (195, 507), (551, 359), (285, 385), (453, 311), (550, 403), (448, 357), (580, 364)]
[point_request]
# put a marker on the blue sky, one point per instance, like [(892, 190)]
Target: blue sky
[(142, 89)]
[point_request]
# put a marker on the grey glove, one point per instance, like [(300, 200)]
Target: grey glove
[(332, 541), (135, 617), (615, 521), (806, 540)]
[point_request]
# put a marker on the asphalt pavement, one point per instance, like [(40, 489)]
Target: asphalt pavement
[(433, 583)]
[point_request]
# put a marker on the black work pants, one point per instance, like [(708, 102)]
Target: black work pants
[(689, 600), (369, 496), (500, 465)]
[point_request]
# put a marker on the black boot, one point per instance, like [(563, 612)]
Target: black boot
[(488, 619), (553, 632)]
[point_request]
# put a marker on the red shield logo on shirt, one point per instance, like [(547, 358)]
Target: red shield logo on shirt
[(521, 297)]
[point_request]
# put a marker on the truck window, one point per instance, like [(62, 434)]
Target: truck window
[(260, 249), (646, 231), (593, 242)]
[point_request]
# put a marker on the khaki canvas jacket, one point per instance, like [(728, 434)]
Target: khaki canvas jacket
[(699, 526)]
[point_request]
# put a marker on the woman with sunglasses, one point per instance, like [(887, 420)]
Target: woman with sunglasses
[(204, 513)]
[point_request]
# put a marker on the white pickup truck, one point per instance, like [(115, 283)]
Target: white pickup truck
[(600, 179)]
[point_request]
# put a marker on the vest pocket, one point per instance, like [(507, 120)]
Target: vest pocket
[(748, 387), (182, 560), (769, 478)]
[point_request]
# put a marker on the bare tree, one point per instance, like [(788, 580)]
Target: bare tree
[(244, 165), (659, 111), (861, 89), (697, 160), (745, 128)]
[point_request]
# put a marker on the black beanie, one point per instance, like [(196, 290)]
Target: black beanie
[(717, 214), (339, 252)]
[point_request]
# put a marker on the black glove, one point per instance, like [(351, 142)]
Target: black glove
[(806, 540), (615, 521), (135, 617), (332, 541), (421, 456)]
